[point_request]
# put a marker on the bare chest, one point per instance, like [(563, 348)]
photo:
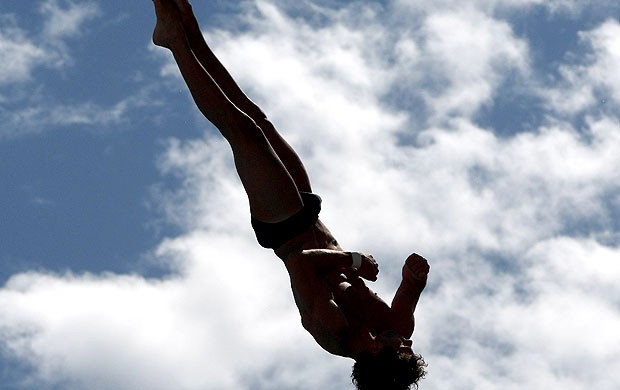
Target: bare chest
[(309, 288)]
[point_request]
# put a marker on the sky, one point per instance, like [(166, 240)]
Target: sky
[(483, 135)]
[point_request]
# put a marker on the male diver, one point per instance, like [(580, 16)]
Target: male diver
[(343, 315)]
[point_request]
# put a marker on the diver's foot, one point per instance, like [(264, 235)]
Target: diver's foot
[(190, 23), (415, 271), (169, 28)]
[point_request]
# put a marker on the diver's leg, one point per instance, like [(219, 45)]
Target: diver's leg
[(224, 80), (272, 192)]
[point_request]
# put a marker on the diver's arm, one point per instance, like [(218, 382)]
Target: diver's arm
[(327, 260), (415, 273)]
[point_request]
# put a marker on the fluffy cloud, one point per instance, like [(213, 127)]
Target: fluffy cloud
[(65, 18), (592, 84), (211, 326), (521, 231), (17, 53), (21, 53), (468, 53)]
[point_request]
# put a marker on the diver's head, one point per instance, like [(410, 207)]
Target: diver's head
[(389, 364)]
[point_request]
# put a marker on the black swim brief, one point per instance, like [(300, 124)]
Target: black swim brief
[(273, 235)]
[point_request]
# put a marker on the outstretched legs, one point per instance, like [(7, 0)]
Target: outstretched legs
[(229, 87), (272, 192)]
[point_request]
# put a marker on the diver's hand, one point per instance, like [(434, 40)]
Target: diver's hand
[(369, 269), (415, 270)]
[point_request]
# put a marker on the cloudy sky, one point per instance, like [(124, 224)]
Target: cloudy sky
[(483, 135)]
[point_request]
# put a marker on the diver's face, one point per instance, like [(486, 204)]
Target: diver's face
[(395, 341)]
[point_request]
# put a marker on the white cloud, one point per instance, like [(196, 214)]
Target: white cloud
[(568, 7), (24, 50), (523, 283), (42, 115), (210, 327), (21, 51), (593, 82), (469, 54), (18, 54), (65, 18)]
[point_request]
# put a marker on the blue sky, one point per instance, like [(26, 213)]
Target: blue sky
[(62, 177), (482, 135)]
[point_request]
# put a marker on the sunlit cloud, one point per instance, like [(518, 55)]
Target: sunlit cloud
[(467, 55)]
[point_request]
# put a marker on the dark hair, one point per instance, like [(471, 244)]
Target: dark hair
[(388, 370)]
